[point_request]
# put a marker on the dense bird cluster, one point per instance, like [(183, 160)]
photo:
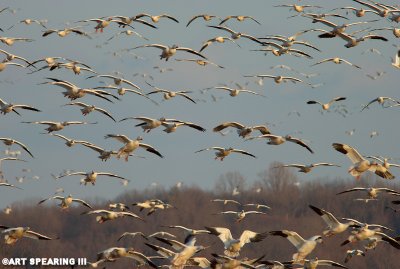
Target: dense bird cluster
[(112, 88)]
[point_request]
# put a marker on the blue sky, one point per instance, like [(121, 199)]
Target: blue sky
[(180, 162)]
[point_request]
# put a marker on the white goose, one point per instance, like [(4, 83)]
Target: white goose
[(221, 153), (307, 168), (381, 11), (64, 32), (90, 177), (106, 215), (277, 79), (239, 18), (168, 52), (12, 235), (8, 107), (90, 108), (236, 35), (205, 17), (171, 94), (10, 57), (372, 192), (9, 41), (242, 130), (336, 60), (69, 141), (57, 126), (66, 201), (235, 92), (381, 100), (9, 142), (240, 215), (326, 106), (278, 140)]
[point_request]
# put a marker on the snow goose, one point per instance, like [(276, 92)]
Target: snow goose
[(130, 145), (258, 206), (147, 124), (381, 100), (336, 28), (352, 41), (314, 263), (117, 80), (7, 108), (188, 232), (57, 126), (12, 235), (277, 79), (288, 41), (125, 234), (30, 21), (9, 142), (240, 215), (242, 130), (90, 108), (106, 215), (128, 33), (233, 246), (383, 12), (121, 91), (226, 262), (360, 164), (372, 192), (298, 8), (156, 18), (306, 168), (281, 50), (221, 153), (278, 140), (351, 253), (235, 92), (115, 253), (66, 201), (9, 41), (323, 15), (359, 12), (168, 52), (205, 17), (395, 31), (172, 125), (334, 226), (371, 235), (199, 62), (327, 105), (336, 60), (236, 35), (64, 32), (69, 141), (3, 65), (74, 66), (90, 177), (384, 161), (125, 21), (304, 247), (170, 94), (239, 18), (119, 206), (102, 23), (10, 57), (5, 184), (226, 201)]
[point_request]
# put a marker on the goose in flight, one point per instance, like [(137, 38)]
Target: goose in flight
[(298, 8), (379, 9), (69, 141), (102, 23), (277, 79), (7, 108), (205, 17), (74, 92), (9, 41), (106, 215), (236, 35), (66, 201), (287, 42), (90, 177), (240, 215), (117, 80), (13, 234), (125, 234), (171, 94), (235, 92), (372, 192), (74, 66), (9, 142), (327, 105), (395, 31), (314, 263), (396, 60), (115, 253), (233, 246), (126, 21), (10, 57), (334, 226), (147, 124), (5, 184), (121, 91), (372, 237), (226, 201), (86, 109), (238, 18), (3, 65), (360, 164), (351, 253), (171, 126), (352, 41), (128, 33), (281, 50), (57, 126), (64, 32), (304, 247), (336, 60), (30, 21), (278, 140), (258, 206), (381, 100), (221, 153), (359, 12), (306, 168), (104, 154), (188, 232), (152, 205), (131, 145), (156, 18), (168, 52), (242, 130), (199, 62), (119, 206), (384, 161), (336, 28)]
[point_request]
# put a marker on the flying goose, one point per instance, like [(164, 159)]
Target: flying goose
[(10, 57), (277, 79), (314, 263), (236, 35), (121, 91), (168, 52), (233, 246), (171, 94), (7, 108), (9, 41), (258, 206), (226, 201), (383, 12), (353, 252), (9, 142), (3, 65), (128, 33), (188, 232), (352, 41), (306, 168), (281, 50), (242, 130), (130, 145), (119, 206), (395, 31), (205, 17), (90, 177), (12, 235), (199, 62), (161, 233), (304, 247), (66, 201), (367, 234), (334, 226), (359, 12), (89, 108), (5, 184), (324, 15), (64, 32), (336, 60), (288, 41), (226, 262), (115, 253), (238, 18), (360, 164), (74, 66), (30, 21), (172, 125), (327, 105), (156, 18), (102, 23), (235, 92), (131, 235), (69, 141), (336, 28), (240, 215), (57, 126), (298, 8), (384, 161), (117, 80), (147, 124), (381, 100), (106, 215), (372, 192), (277, 140), (221, 153)]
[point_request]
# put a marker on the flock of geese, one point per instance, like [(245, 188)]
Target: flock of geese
[(172, 253)]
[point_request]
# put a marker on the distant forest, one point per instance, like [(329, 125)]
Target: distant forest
[(280, 188)]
